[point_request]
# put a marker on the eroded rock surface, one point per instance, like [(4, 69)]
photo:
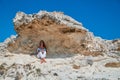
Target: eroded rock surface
[(77, 67), (61, 33)]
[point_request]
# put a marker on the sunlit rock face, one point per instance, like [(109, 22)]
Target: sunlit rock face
[(61, 33)]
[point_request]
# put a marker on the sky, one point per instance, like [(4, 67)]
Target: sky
[(102, 17)]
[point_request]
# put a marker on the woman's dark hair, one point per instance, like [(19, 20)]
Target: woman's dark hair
[(41, 41)]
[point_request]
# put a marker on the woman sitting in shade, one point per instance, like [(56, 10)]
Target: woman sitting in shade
[(42, 51)]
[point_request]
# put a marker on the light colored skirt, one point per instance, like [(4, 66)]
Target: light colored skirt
[(41, 55)]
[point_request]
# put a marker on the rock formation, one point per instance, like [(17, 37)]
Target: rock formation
[(61, 33)]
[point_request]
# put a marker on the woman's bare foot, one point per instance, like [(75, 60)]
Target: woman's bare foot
[(41, 61)]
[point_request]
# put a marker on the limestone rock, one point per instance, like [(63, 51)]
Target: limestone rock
[(77, 67), (61, 33)]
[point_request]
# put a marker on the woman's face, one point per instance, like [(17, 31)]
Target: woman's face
[(41, 44)]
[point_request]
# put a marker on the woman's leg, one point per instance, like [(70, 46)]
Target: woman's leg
[(43, 60), (43, 55)]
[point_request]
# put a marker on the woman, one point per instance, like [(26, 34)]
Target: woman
[(42, 51)]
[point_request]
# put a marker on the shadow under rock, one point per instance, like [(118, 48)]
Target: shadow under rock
[(60, 55), (54, 55)]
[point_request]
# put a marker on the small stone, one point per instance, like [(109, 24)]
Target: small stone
[(76, 66), (90, 62), (55, 74), (1, 72), (49, 71), (80, 77)]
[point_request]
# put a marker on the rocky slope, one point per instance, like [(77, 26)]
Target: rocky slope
[(78, 67), (61, 33)]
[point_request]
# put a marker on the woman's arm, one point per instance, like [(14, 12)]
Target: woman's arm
[(38, 50)]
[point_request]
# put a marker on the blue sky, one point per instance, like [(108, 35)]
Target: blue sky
[(102, 17)]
